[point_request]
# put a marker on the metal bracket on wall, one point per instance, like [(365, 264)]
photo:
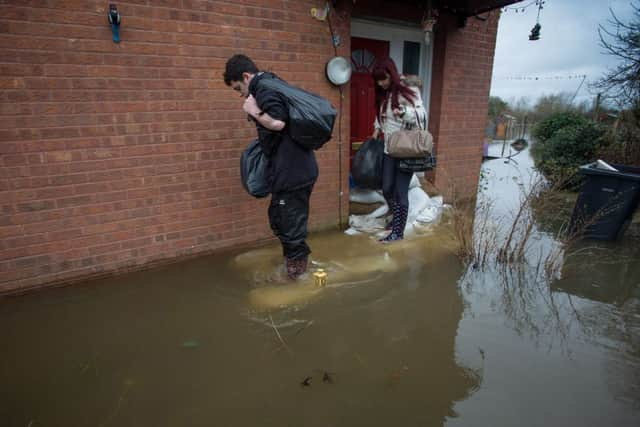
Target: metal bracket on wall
[(320, 14)]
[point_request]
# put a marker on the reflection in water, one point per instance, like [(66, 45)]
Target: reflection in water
[(203, 342), (602, 271), (597, 300), (586, 319), (505, 226), (608, 276)]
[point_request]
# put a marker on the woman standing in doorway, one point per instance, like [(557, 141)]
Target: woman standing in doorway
[(397, 106)]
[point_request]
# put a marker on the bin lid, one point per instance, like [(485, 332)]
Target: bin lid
[(630, 173)]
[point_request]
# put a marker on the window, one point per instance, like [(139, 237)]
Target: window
[(411, 58), (362, 61)]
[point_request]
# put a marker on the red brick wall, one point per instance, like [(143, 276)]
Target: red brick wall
[(462, 67), (118, 155)]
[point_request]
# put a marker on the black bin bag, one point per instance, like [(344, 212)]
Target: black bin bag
[(311, 117), (366, 169), (254, 169)]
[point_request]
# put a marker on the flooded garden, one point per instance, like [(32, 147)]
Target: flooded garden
[(405, 334)]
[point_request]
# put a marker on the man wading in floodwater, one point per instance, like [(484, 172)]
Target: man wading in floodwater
[(293, 170)]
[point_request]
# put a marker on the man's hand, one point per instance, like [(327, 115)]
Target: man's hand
[(250, 106)]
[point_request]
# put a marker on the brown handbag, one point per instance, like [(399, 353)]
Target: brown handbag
[(411, 143)]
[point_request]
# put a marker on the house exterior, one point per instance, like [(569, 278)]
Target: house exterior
[(117, 156)]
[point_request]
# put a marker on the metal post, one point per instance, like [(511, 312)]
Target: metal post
[(596, 110), (504, 141)]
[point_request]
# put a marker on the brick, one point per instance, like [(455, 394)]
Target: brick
[(14, 160), (34, 261), (75, 201), (38, 205)]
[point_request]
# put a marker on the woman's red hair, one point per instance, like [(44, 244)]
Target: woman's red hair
[(383, 68)]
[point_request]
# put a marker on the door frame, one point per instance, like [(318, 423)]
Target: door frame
[(396, 35)]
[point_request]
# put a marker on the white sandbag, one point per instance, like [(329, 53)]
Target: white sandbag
[(429, 214), (432, 211), (422, 210), (437, 201), (360, 195), (351, 232), (415, 182), (366, 223), (418, 200), (380, 211)]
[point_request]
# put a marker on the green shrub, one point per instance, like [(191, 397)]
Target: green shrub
[(545, 129), (563, 143)]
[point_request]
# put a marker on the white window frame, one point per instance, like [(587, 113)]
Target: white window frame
[(396, 35)]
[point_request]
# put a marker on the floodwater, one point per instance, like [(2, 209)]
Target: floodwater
[(402, 334)]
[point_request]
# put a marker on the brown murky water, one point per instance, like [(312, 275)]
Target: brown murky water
[(406, 335)]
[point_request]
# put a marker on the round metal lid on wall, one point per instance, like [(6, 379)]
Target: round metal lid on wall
[(339, 70)]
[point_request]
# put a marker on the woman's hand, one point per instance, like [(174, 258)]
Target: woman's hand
[(398, 112), (376, 134)]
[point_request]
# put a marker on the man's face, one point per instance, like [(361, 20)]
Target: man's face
[(242, 86)]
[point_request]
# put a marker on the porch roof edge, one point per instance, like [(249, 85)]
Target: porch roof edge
[(473, 8)]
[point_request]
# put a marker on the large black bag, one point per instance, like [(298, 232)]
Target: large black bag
[(254, 169), (366, 169), (311, 117)]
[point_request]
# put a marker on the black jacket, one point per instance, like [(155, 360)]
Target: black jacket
[(291, 166)]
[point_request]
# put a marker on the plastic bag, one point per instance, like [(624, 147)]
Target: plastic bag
[(366, 168), (254, 170), (367, 197), (311, 117)]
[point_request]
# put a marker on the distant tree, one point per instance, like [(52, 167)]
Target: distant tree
[(522, 105), (547, 105), (622, 40), (623, 139), (497, 106)]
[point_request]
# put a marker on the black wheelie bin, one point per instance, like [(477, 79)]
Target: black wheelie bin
[(607, 200)]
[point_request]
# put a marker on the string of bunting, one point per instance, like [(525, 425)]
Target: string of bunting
[(573, 76), (522, 9)]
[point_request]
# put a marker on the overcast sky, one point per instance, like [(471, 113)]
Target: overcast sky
[(568, 46)]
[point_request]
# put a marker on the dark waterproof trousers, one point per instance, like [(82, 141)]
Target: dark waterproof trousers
[(395, 183), (288, 216)]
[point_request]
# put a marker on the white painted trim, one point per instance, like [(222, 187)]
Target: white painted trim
[(396, 35)]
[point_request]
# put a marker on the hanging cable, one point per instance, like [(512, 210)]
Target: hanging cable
[(557, 77), (539, 9), (521, 8), (577, 90), (339, 143), (333, 37)]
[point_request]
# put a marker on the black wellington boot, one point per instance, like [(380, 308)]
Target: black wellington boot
[(397, 226)]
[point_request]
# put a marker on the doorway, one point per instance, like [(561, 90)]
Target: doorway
[(369, 41), (364, 54)]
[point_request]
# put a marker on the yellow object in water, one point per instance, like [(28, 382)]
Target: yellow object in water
[(320, 278)]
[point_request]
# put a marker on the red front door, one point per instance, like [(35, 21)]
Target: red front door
[(364, 54)]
